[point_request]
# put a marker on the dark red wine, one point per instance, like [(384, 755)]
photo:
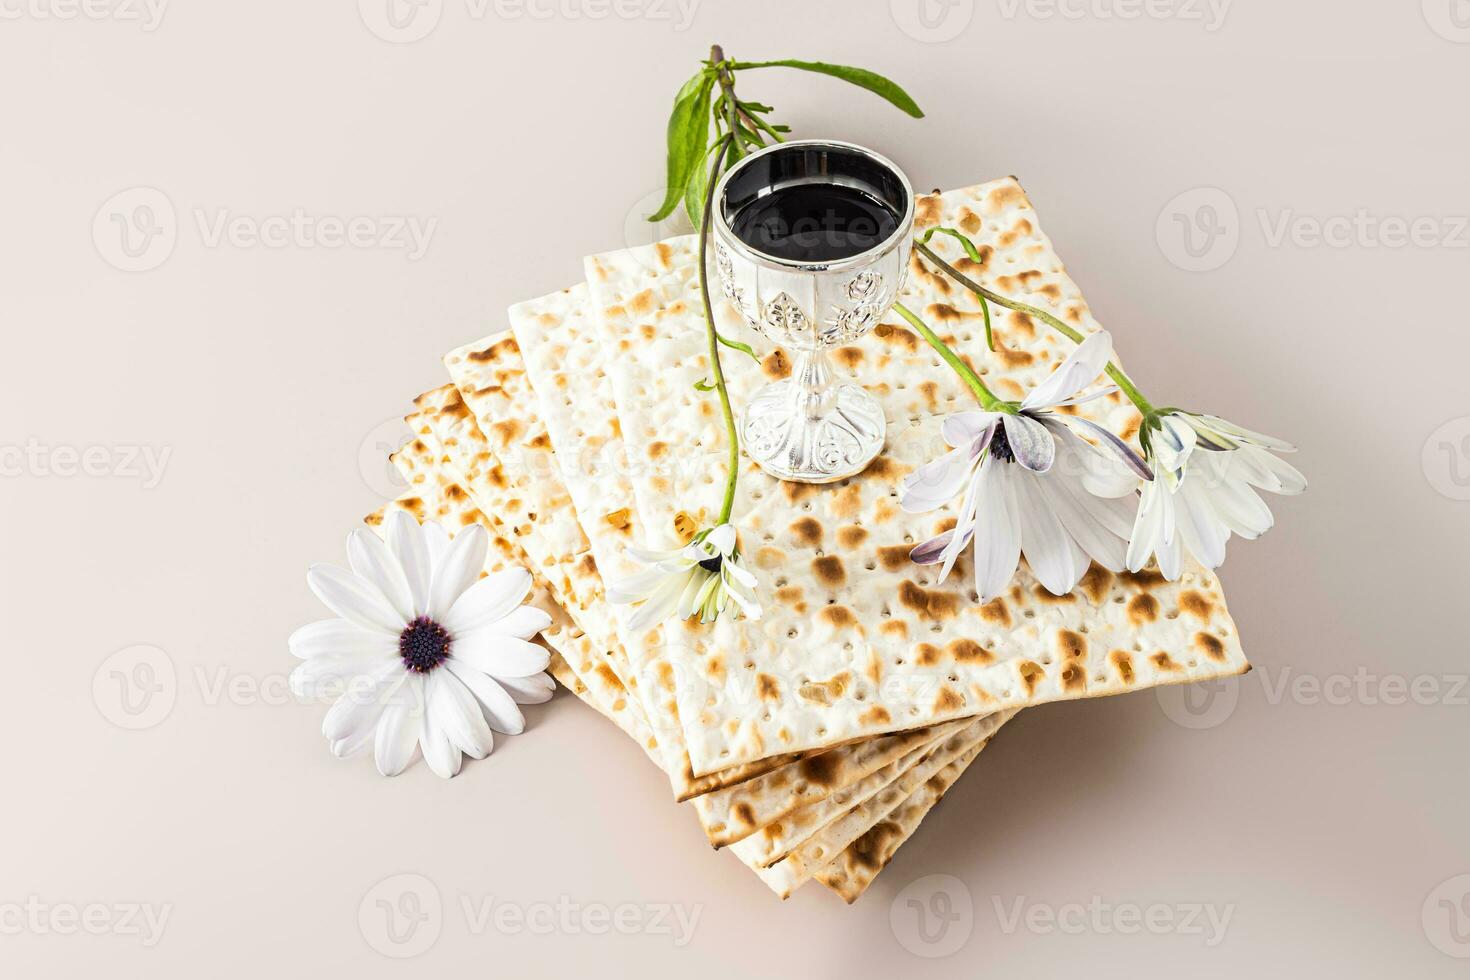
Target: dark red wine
[(814, 222)]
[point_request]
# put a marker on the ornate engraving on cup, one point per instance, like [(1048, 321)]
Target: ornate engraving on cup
[(810, 428)]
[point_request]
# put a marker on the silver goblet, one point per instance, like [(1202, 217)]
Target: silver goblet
[(812, 243)]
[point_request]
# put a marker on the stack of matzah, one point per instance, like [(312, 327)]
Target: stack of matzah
[(814, 740)]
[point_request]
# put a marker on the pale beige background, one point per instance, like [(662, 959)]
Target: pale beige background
[(1331, 827)]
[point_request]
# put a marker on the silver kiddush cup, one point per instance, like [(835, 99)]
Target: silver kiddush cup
[(810, 294)]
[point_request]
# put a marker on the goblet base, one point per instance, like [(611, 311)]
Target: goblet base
[(790, 442)]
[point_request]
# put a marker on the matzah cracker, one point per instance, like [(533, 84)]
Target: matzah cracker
[(856, 867), (855, 639)]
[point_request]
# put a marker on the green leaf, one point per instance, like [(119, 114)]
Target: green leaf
[(860, 77), (686, 135), (694, 191), (703, 385)]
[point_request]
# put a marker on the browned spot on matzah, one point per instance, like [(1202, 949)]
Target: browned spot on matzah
[(715, 667), (931, 605), (1051, 599), (685, 526), (948, 700), (896, 628), (967, 651), (769, 557), (845, 504), (1143, 608), (1095, 583), (849, 536), (927, 211), (797, 492), (969, 221), (1015, 358), (657, 450), (897, 337), (838, 617), (1195, 604), (744, 813), (849, 357), (807, 531), (884, 468), (1163, 661), (876, 715), (926, 655), (620, 519), (1146, 579), (996, 611), (825, 692), (767, 688), (1031, 675), (1004, 195), (1074, 677), (665, 671), (820, 769), (776, 365), (1072, 646), (895, 556), (507, 430), (829, 571), (1210, 646)]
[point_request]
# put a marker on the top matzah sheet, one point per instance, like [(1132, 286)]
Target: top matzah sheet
[(856, 640)]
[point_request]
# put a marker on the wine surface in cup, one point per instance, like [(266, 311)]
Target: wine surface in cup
[(814, 222)]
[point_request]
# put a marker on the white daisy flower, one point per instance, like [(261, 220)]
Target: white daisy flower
[(426, 653), (700, 577), (1207, 468), (1032, 486)]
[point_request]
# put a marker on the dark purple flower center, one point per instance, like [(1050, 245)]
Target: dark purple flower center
[(423, 645), (1000, 446), (711, 564)]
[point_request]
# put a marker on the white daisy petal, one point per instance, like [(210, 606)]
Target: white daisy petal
[(504, 716), (965, 522), (407, 542), (722, 539), (500, 656), (524, 623), (362, 702), (1148, 526), (535, 689), (339, 637), (326, 677), (354, 599), (1065, 498), (659, 606), (457, 570), (1242, 434), (935, 483), (998, 544), (436, 542), (459, 711), (963, 428), (1082, 366), (398, 729), (371, 559), (443, 757), (1031, 443), (491, 598), (1270, 472), (1048, 549), (635, 587), (344, 748), (1201, 531)]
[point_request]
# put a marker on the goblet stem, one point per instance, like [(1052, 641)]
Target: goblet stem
[(813, 389)]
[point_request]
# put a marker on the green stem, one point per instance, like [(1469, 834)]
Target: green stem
[(732, 468), (987, 398), (1119, 378), (732, 108)]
